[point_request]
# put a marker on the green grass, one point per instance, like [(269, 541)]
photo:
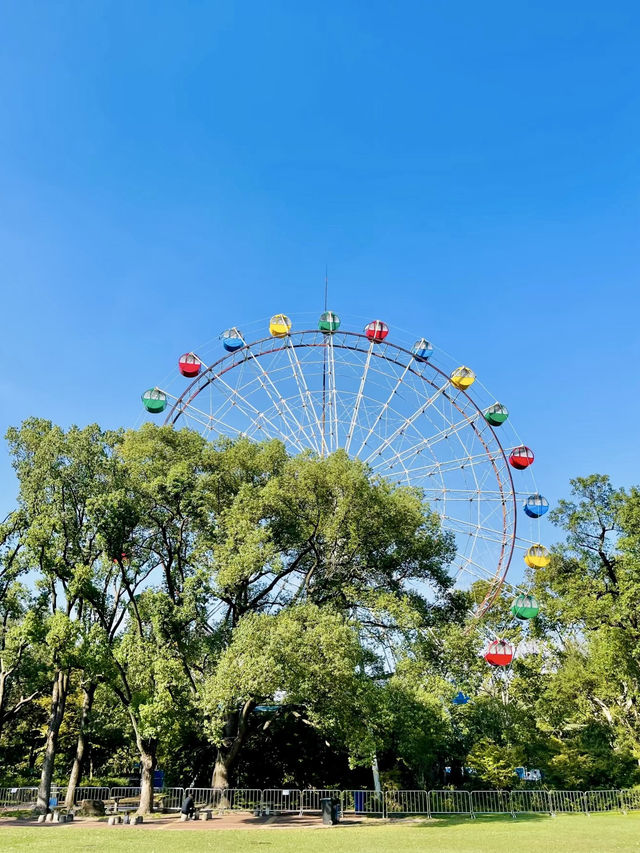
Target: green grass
[(580, 833)]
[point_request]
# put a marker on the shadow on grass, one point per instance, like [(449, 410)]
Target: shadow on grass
[(454, 820)]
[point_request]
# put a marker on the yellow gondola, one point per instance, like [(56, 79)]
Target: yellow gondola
[(537, 557), (463, 377), (279, 326)]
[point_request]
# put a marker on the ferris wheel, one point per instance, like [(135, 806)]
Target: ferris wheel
[(403, 408)]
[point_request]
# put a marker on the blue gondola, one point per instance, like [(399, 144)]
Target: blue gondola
[(232, 340), (536, 506), (422, 349)]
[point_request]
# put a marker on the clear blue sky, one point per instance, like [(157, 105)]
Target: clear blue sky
[(468, 171)]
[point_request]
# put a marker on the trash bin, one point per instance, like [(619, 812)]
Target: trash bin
[(330, 810), (335, 810), (358, 801)]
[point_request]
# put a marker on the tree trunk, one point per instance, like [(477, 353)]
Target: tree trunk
[(58, 701), (235, 730), (81, 746), (4, 675), (221, 769), (148, 760), (377, 787)]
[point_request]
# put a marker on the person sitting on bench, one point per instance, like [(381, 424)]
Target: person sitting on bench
[(188, 806)]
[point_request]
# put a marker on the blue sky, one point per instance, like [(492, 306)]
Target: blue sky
[(467, 171)]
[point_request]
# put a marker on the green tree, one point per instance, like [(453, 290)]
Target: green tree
[(305, 656), (59, 476)]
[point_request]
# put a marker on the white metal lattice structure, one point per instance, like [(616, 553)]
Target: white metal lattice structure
[(400, 414)]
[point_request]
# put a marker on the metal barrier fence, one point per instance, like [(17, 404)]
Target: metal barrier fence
[(91, 794), (16, 797), (285, 800), (310, 798), (567, 801), (362, 802), (241, 799), (630, 799), (207, 798), (399, 803), (490, 802), (125, 797), (169, 798), (603, 801), (530, 802), (449, 802)]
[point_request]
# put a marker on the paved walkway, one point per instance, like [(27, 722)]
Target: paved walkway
[(173, 823)]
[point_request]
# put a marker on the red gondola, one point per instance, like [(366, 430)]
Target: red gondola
[(189, 365), (521, 457), (499, 653), (376, 331)]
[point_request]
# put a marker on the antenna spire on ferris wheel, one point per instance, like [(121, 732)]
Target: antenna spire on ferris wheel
[(326, 285)]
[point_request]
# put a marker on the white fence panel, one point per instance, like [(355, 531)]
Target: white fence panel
[(530, 802), (407, 802), (630, 799), (567, 801), (18, 797), (169, 798), (91, 793), (281, 800), (603, 801), (310, 798), (362, 803), (206, 798), (242, 799), (490, 802), (126, 798), (449, 802)]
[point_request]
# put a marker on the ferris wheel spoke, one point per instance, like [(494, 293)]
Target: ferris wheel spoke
[(323, 425), (497, 539), (471, 529), (384, 408), (410, 420), (210, 423), (236, 395), (188, 413), (450, 465), (356, 408), (488, 493), (450, 430), (306, 398), (481, 574), (478, 497), (333, 400), (205, 419), (265, 379)]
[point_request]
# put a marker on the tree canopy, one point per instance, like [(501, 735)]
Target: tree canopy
[(236, 615)]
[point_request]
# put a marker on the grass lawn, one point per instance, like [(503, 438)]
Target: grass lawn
[(580, 833)]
